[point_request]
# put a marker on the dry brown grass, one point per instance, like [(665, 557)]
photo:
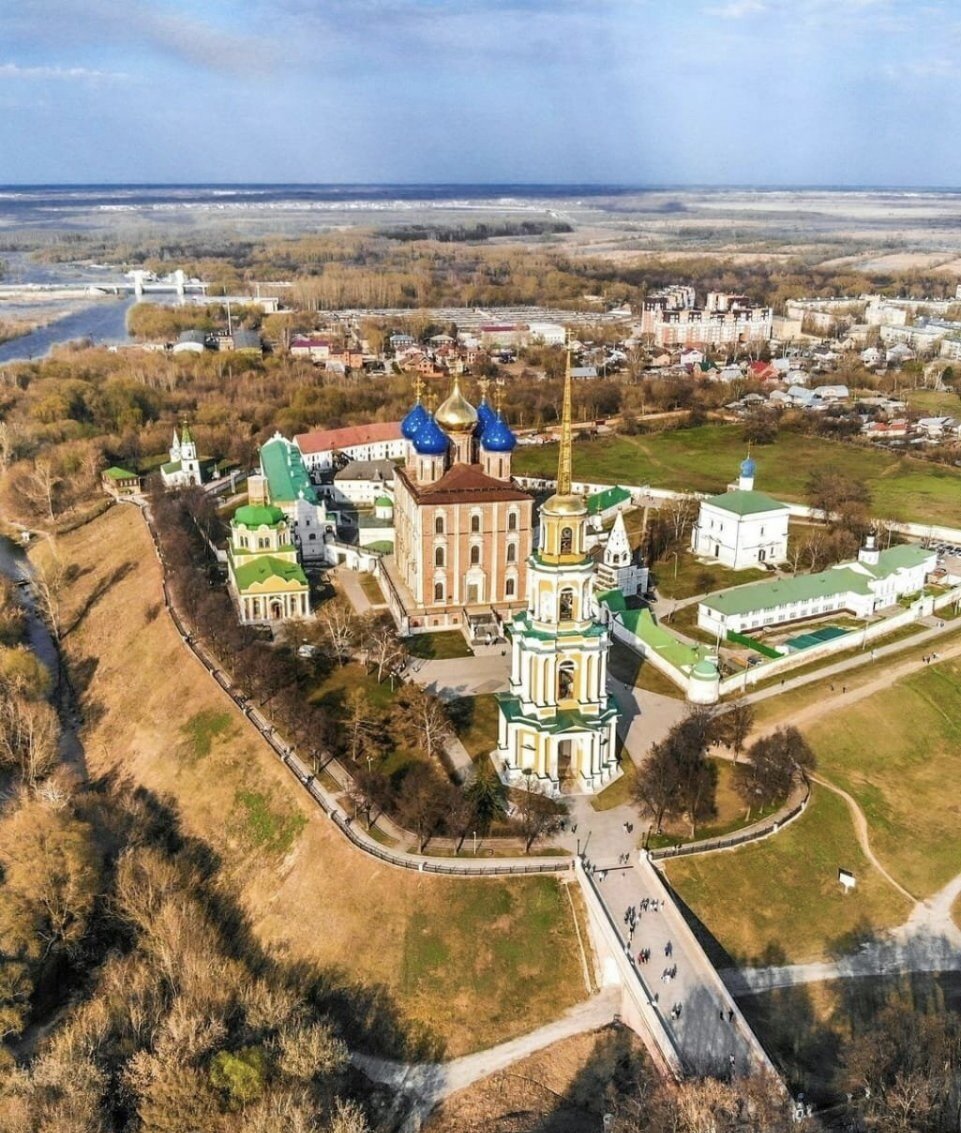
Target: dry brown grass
[(445, 951), (560, 1088)]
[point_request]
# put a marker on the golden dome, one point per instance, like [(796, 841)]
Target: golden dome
[(565, 505), (456, 414)]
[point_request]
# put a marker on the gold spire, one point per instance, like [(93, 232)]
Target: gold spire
[(418, 388), (483, 385), (564, 457), (499, 394)]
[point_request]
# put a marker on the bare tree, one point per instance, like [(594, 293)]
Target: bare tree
[(29, 733), (422, 721), (49, 581), (538, 815), (40, 486), (382, 647), (734, 726)]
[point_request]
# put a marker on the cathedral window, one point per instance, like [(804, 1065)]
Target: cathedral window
[(512, 552), (512, 521), (566, 605), (438, 592), (509, 588), (475, 523), (438, 556), (439, 525), (567, 540), (475, 555), (565, 681)]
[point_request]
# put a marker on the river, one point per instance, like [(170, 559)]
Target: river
[(15, 565), (101, 320)]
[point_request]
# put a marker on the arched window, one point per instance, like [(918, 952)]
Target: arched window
[(512, 552), (474, 555), (439, 525), (475, 524), (567, 540), (438, 592), (438, 556), (512, 521), (566, 605), (509, 588), (565, 681)]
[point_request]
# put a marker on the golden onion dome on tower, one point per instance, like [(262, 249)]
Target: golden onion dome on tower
[(456, 414), (564, 505)]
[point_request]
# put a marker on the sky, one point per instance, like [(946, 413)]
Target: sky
[(637, 92)]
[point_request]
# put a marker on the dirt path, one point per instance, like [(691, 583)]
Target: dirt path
[(861, 830), (427, 1083)]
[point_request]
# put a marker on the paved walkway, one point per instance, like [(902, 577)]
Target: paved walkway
[(708, 1030), (349, 582), (427, 1083)]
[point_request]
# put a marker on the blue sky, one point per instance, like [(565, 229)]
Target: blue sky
[(628, 91)]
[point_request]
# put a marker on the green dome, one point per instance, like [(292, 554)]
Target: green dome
[(258, 515), (383, 501), (705, 670)]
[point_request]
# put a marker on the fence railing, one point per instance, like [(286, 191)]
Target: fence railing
[(739, 838)]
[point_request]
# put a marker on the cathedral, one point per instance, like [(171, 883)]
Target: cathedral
[(463, 530), (556, 727), (184, 467)]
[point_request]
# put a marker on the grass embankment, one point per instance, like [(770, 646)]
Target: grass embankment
[(694, 576), (898, 752), (469, 963), (779, 901), (706, 459)]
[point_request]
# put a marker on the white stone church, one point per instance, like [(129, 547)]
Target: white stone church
[(742, 528)]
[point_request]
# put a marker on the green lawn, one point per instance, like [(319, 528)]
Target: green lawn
[(779, 900), (933, 403), (905, 777), (619, 792), (695, 577), (475, 720), (438, 646), (706, 458), (529, 914)]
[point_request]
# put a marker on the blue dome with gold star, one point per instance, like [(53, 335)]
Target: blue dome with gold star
[(414, 421), (498, 437), (430, 439)]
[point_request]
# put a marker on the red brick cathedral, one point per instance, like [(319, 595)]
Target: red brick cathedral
[(463, 529)]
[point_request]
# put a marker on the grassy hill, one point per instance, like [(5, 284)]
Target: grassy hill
[(706, 458), (459, 963)]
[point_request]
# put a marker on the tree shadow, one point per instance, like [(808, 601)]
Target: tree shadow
[(99, 591)]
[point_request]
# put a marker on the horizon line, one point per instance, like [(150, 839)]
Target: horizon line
[(653, 186)]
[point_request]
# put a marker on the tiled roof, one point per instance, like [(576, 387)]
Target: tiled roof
[(325, 440), (464, 484)]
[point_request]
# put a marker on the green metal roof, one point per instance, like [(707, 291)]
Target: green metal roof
[(675, 651), (286, 473), (383, 501), (185, 437), (256, 515), (788, 591), (898, 558), (171, 466), (610, 497), (116, 473), (266, 567), (564, 720), (613, 600), (745, 503)]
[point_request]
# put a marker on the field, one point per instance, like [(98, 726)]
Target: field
[(438, 646), (900, 778), (461, 963), (475, 719), (689, 577), (705, 459), (779, 900), (934, 403)]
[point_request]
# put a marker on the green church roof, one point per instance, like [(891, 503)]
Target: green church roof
[(116, 473), (286, 473), (745, 503), (266, 567), (257, 515)]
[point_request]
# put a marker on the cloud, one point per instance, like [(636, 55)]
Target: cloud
[(150, 25), (86, 74)]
